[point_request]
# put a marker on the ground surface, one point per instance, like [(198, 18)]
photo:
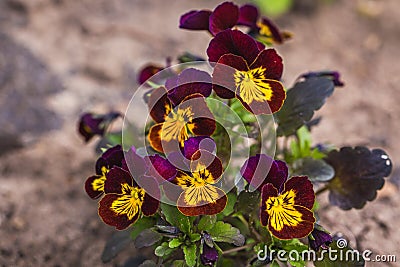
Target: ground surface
[(59, 58)]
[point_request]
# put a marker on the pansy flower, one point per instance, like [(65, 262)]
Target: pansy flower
[(287, 212), (199, 194), (91, 124), (227, 15), (319, 238), (246, 71), (126, 198), (179, 112), (94, 185)]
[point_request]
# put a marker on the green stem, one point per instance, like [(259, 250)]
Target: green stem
[(229, 251)]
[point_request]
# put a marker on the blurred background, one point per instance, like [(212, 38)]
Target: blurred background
[(59, 58)]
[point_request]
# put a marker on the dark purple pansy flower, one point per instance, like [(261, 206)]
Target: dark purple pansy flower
[(197, 174), (319, 238), (261, 169), (246, 71), (175, 122), (94, 185), (333, 75), (227, 15), (147, 72), (209, 256), (288, 213), (125, 200), (91, 124)]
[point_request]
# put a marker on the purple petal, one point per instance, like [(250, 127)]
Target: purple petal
[(160, 168), (189, 81), (319, 238), (209, 255), (224, 16), (232, 42), (248, 16), (195, 20), (262, 169), (193, 144)]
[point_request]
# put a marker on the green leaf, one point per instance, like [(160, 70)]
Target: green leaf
[(142, 224), (317, 170), (247, 201), (178, 263), (224, 232), (351, 262), (176, 218), (195, 237), (294, 245), (147, 238), (117, 243), (230, 206), (206, 222), (174, 243), (163, 250), (190, 255), (301, 102)]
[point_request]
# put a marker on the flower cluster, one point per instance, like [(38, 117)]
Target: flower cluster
[(200, 196)]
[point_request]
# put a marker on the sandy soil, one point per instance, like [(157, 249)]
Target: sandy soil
[(59, 58)]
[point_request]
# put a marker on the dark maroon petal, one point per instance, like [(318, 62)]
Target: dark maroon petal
[(267, 191), (136, 164), (152, 196), (114, 156), (260, 46), (90, 190), (224, 75), (268, 105), (224, 16), (204, 121), (193, 144), (159, 104), (303, 188), (202, 207), (232, 42), (119, 221), (188, 82), (115, 178), (271, 61), (195, 20), (160, 168), (248, 16), (147, 72), (278, 174)]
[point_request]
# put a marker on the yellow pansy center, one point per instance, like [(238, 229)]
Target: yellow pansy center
[(130, 202), (252, 86), (177, 125), (198, 187), (98, 184), (281, 211)]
